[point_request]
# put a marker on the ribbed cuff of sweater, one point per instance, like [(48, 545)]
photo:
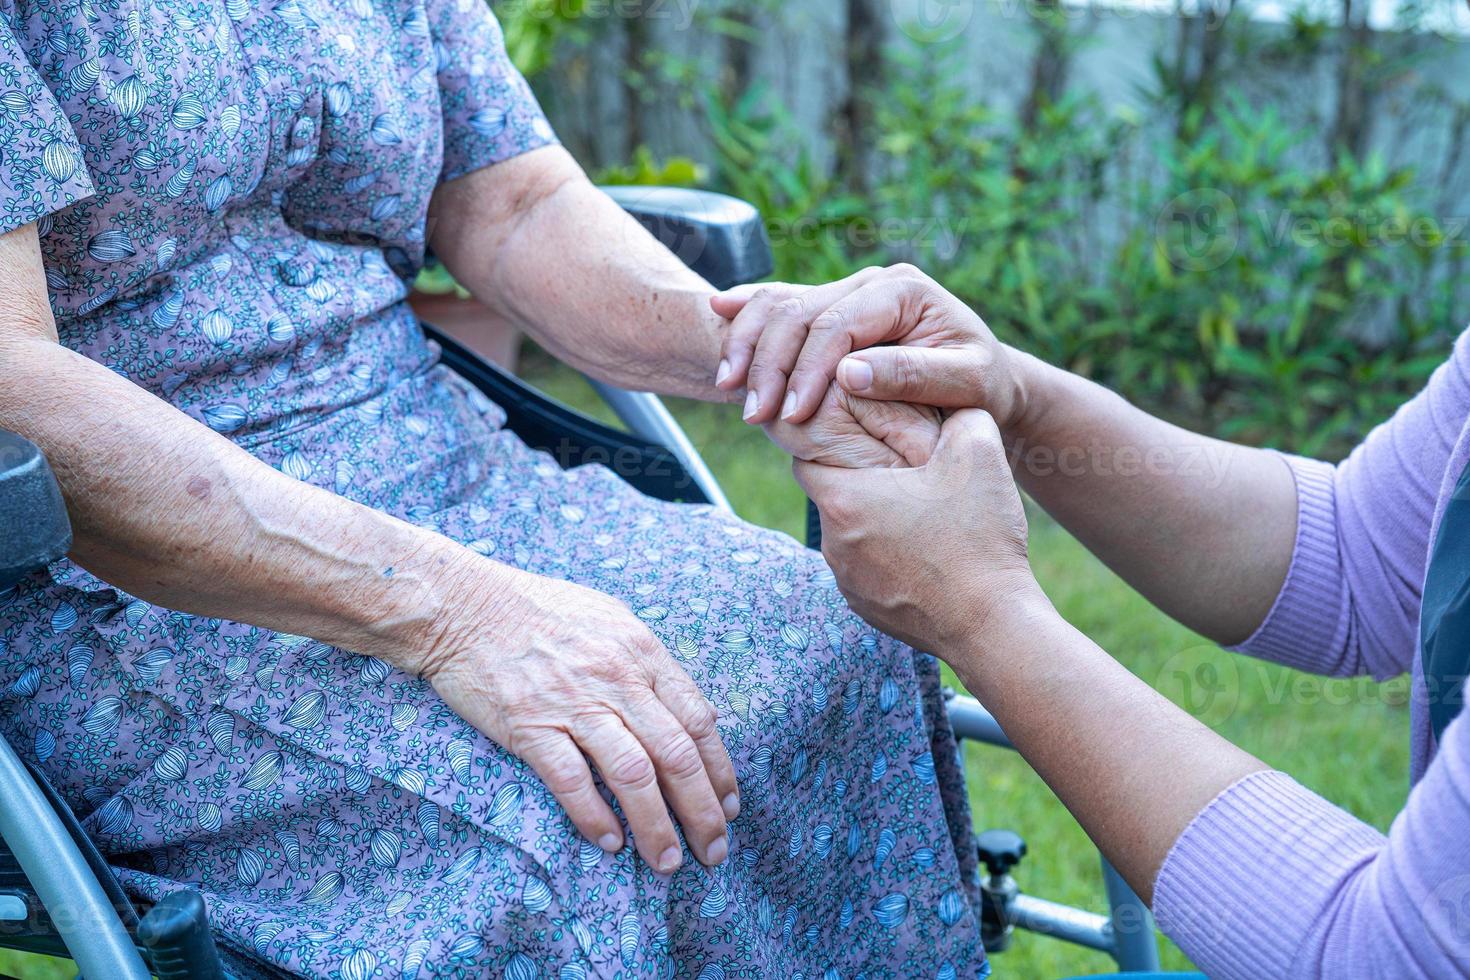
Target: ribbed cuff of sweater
[(1302, 629), (1252, 874)]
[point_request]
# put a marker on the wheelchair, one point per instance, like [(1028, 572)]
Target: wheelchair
[(47, 861)]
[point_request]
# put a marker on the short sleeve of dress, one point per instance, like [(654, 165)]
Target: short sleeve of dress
[(41, 167), (489, 111)]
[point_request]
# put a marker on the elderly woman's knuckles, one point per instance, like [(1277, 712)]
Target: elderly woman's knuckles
[(906, 271), (771, 296)]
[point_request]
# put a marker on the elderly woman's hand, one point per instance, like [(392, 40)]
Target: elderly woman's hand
[(856, 433), (559, 674), (926, 553), (787, 343)]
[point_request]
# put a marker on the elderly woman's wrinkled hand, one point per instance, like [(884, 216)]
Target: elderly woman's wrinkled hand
[(856, 433), (883, 333), (560, 674)]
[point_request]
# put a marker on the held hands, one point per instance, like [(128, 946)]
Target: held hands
[(559, 674), (787, 343), (925, 538), (928, 553), (856, 433)]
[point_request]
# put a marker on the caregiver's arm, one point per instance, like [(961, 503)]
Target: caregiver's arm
[(167, 509), (1203, 528), (534, 240), (1253, 875), (1132, 767), (1219, 535)]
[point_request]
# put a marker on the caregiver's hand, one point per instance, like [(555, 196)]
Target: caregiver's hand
[(927, 554), (555, 672), (785, 344)]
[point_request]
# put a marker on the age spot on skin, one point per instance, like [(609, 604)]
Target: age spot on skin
[(198, 488)]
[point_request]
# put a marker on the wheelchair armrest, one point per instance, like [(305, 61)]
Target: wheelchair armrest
[(721, 238), (32, 513)]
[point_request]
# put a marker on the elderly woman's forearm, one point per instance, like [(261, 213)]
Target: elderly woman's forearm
[(1205, 529), (535, 241), (171, 512)]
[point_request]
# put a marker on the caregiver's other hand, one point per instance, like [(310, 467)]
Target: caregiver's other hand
[(856, 433), (559, 674), (927, 554), (786, 343)]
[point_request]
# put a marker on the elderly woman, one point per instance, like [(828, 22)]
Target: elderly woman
[(332, 646), (1362, 568)]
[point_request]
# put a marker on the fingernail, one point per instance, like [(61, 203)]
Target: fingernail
[(611, 843), (856, 375), (731, 806), (788, 407), (717, 851), (723, 373), (669, 861), (752, 405)]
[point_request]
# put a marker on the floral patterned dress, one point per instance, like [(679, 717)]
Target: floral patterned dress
[(231, 198)]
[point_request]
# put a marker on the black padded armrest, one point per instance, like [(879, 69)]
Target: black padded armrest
[(34, 529), (570, 437), (722, 238)]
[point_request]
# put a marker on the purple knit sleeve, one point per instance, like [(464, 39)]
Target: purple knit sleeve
[(1271, 880), (1351, 600)]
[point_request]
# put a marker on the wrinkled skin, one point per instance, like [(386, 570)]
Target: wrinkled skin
[(856, 433), (883, 333), (571, 675)]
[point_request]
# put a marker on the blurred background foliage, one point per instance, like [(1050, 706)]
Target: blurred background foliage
[(1206, 269)]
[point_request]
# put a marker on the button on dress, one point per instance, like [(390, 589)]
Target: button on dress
[(231, 197)]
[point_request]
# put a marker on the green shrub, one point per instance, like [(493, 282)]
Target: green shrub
[(1195, 264), (1202, 273)]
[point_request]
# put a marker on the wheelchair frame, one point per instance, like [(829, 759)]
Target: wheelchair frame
[(55, 867)]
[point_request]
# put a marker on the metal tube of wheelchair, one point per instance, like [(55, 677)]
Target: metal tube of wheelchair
[(1062, 922), (86, 920), (1136, 947), (970, 720), (648, 418)]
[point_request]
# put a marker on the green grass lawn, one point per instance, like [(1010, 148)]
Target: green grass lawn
[(1346, 740)]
